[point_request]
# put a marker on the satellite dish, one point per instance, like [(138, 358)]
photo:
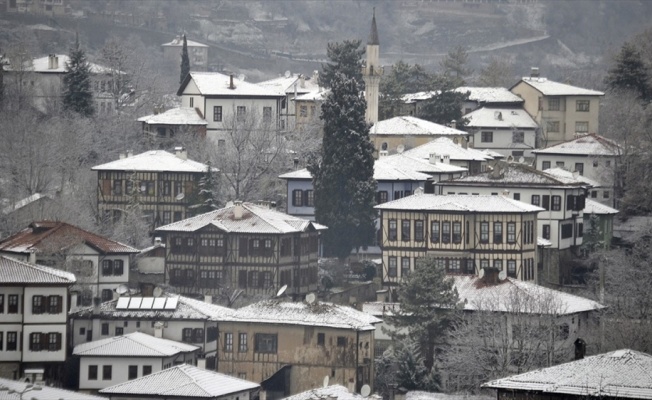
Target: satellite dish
[(311, 298), (481, 273), (326, 381), (365, 390), (521, 159), (180, 196), (157, 291), (502, 275), (288, 73), (242, 77), (281, 291), (143, 188), (400, 149), (158, 324), (122, 289)]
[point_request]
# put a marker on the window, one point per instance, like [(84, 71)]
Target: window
[(217, 113), (498, 264), (105, 328), (556, 203), (498, 232), (107, 267), (405, 266), (321, 339), (266, 343), (92, 372), (454, 265), (198, 335), (594, 194), (241, 112), (405, 230), (484, 264), (228, 342), (242, 342), (297, 198), (310, 198), (536, 200), (582, 127), (12, 304), (55, 305), (381, 197), (545, 165), (392, 234), (517, 196), (106, 373), (35, 342), (2, 303), (147, 370), (119, 331), (117, 187), (133, 372), (341, 341), (12, 341), (553, 104), (434, 231), (457, 232), (582, 105), (445, 232), (303, 111), (580, 229), (511, 268), (605, 194), (486, 137), (553, 126), (546, 231), (267, 114), (607, 163), (566, 231), (484, 232), (511, 232), (418, 230), (392, 267), (579, 167), (518, 137), (37, 305)]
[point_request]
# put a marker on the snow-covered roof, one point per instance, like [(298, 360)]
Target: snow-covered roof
[(418, 96), (496, 155), (409, 163), (184, 309), (619, 374), (500, 118), (253, 219), (182, 381), (512, 295), (136, 344), (317, 95), (13, 271), (407, 125), (154, 161), (23, 202), (300, 313), (42, 65), (380, 308), (489, 95), (552, 88), (175, 116), (593, 207), (590, 145), (178, 42), (565, 175), (338, 392), (47, 235), (389, 172), (291, 84), (445, 146), (419, 395), (18, 388), (506, 174), (216, 84), (543, 242), (463, 203)]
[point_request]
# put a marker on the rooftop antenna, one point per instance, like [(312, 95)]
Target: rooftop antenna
[(311, 298), (122, 289)]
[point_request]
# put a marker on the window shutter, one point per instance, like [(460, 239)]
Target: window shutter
[(44, 341), (59, 341), (546, 202), (243, 247), (570, 202), (261, 279), (580, 203)]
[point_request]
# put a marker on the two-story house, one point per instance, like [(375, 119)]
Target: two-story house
[(593, 156), (403, 133), (176, 121), (478, 97), (294, 86), (560, 221), (99, 264), (163, 185), (245, 246), (309, 106), (465, 234), (115, 360), (562, 111), (509, 131), (475, 161), (197, 53), (34, 305), (291, 346), (177, 318), (228, 103)]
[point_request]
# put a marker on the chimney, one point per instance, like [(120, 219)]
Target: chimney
[(454, 124), (580, 348), (237, 210), (181, 153), (96, 305), (231, 85), (208, 299), (434, 158), (55, 62), (50, 61), (383, 153), (130, 153), (302, 80), (122, 156), (490, 276), (498, 115), (158, 330), (446, 159), (534, 72), (201, 363), (315, 76)]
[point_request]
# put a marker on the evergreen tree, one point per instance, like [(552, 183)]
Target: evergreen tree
[(402, 79), (77, 95), (207, 193), (454, 66), (185, 61), (629, 72), (346, 58), (444, 107), (427, 301), (498, 73), (343, 179), (593, 236)]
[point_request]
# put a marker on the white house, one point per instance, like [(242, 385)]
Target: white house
[(183, 382), (197, 52), (475, 161), (119, 359), (226, 101), (293, 86), (173, 122), (491, 97), (33, 318), (509, 131)]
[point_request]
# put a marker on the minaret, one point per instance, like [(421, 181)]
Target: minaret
[(371, 73)]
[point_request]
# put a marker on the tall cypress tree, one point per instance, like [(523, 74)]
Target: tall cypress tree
[(345, 57), (630, 72), (77, 95), (343, 181), (185, 61)]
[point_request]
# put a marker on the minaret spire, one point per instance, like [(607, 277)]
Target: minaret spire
[(372, 72), (373, 36)]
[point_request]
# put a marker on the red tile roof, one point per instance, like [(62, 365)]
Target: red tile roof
[(44, 236)]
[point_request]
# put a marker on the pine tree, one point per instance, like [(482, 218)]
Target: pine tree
[(77, 95), (402, 79), (343, 179), (454, 66), (630, 72), (185, 61), (207, 192), (345, 58), (445, 107)]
